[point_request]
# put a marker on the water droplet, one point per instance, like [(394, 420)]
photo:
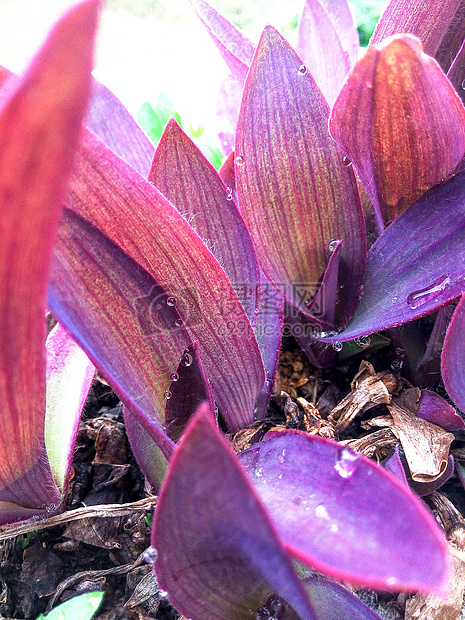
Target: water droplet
[(346, 463), (423, 296), (329, 334), (240, 161), (262, 614), (393, 300), (259, 472), (50, 507), (369, 84), (302, 70), (275, 604), (174, 376), (332, 245), (171, 301), (337, 346), (282, 457), (346, 161), (178, 322), (363, 341), (167, 394), (35, 517), (150, 555), (229, 195), (396, 365), (321, 512), (187, 359), (162, 594)]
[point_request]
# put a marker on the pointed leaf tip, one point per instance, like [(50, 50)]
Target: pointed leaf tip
[(398, 114)]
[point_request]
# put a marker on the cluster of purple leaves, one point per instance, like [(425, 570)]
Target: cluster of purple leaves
[(159, 267)]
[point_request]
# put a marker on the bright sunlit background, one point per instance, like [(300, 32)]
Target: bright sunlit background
[(150, 46)]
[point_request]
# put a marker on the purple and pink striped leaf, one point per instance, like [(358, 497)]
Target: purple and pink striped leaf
[(192, 185), (289, 173), (105, 191), (416, 266), (401, 123), (40, 121), (221, 559), (439, 26), (321, 49), (328, 505)]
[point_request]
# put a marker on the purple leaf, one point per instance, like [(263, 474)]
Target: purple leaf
[(192, 185), (340, 14), (452, 357), (69, 377), (235, 49), (321, 50), (161, 241), (333, 602), (335, 503), (289, 172), (221, 559), (40, 119), (113, 124), (435, 409), (439, 26), (416, 266), (456, 73), (120, 316), (394, 465), (227, 110), (399, 120)]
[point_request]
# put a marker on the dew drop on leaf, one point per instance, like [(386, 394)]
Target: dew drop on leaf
[(174, 376), (423, 296), (150, 555), (346, 161), (178, 322), (240, 161), (346, 463), (302, 70), (363, 341), (171, 301), (337, 346), (167, 394), (259, 472), (229, 195), (332, 245), (187, 359)]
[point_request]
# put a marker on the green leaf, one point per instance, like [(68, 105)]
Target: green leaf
[(81, 607), (153, 120)]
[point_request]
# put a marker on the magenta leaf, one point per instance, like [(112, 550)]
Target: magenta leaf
[(162, 242), (439, 26), (136, 340), (235, 49), (398, 113), (321, 50), (289, 171), (192, 185), (40, 119), (341, 16), (69, 377), (394, 465), (113, 124), (416, 266), (227, 110), (452, 357), (221, 558), (334, 502), (436, 410)]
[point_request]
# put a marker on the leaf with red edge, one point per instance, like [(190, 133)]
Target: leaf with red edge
[(439, 25), (321, 50), (334, 502), (113, 124), (452, 357), (192, 185), (40, 119), (220, 559), (120, 316), (235, 48), (69, 377), (399, 120), (416, 265), (295, 193), (106, 191)]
